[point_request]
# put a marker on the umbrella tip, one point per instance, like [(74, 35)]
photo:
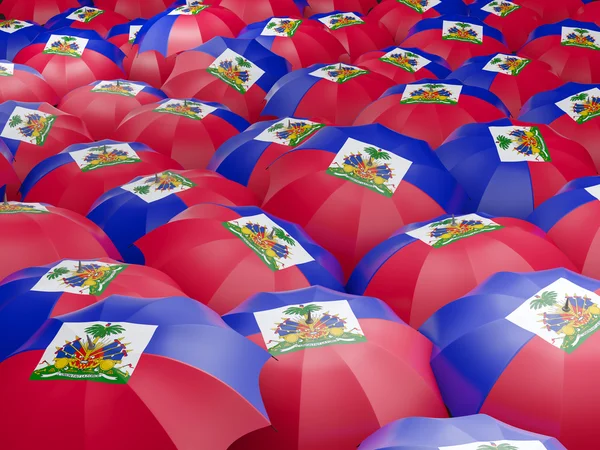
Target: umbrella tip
[(79, 267), (453, 220), (566, 308), (5, 200)]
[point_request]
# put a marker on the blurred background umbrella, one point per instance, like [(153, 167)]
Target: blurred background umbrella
[(432, 109), (81, 173), (16, 34), (257, 253), (39, 11), (102, 105), (69, 58), (186, 130), (325, 6), (130, 211), (334, 92), (442, 259), (350, 188), (235, 72), (149, 365), (510, 350), (132, 9), (476, 431), (508, 168), (251, 11), (87, 18), (24, 84)]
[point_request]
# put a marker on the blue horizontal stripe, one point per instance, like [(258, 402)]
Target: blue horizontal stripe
[(558, 207), (556, 29)]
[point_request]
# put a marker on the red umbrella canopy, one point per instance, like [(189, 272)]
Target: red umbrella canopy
[(570, 47), (36, 234), (553, 11), (590, 12), (456, 38), (132, 9), (183, 129), (443, 259), (326, 6), (377, 368), (81, 173), (69, 58), (87, 18), (102, 105), (251, 11), (357, 33), (39, 11), (432, 109), (24, 84), (35, 131), (9, 181)]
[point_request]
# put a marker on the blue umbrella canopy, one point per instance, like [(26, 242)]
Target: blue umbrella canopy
[(16, 34)]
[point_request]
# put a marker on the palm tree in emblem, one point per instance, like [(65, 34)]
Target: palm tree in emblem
[(548, 298), (98, 331), (15, 121), (304, 311), (376, 154), (492, 446), (282, 236)]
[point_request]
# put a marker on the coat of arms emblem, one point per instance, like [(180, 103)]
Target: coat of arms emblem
[(94, 351), (156, 187), (498, 445), (118, 87), (7, 69), (17, 207), (583, 106), (186, 108), (85, 14), (28, 125), (406, 60), (506, 64), (93, 158), (338, 73), (282, 27), (235, 70), (12, 25), (462, 31), (580, 37), (66, 45), (447, 231), (501, 8), (299, 327), (290, 132), (341, 20), (420, 6), (191, 8), (445, 94), (515, 144)]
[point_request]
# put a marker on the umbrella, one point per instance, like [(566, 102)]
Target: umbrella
[(399, 16), (124, 35), (186, 130), (456, 38), (81, 173), (512, 78), (235, 72), (256, 252), (515, 347), (404, 65), (474, 432), (173, 31), (357, 33), (432, 109), (553, 11), (38, 293), (87, 18), (590, 12), (102, 105), (39, 11), (24, 84), (334, 92), (569, 47), (569, 110), (301, 42), (514, 21), (508, 168), (16, 34), (342, 367), (69, 58), (571, 219), (35, 131), (445, 258), (132, 9), (143, 362), (325, 6), (350, 188), (251, 11), (130, 211), (36, 234), (246, 158)]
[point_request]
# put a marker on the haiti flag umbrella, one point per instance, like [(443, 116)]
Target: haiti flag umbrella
[(102, 105), (508, 168), (404, 65), (39, 11), (69, 58), (357, 33), (325, 6), (87, 18), (186, 130), (124, 35), (476, 432), (173, 31), (257, 252), (335, 92), (572, 219), (432, 109), (515, 348), (246, 158), (553, 11), (16, 34), (24, 84), (456, 38), (301, 42), (81, 173), (36, 234), (134, 9), (445, 258), (30, 296), (512, 78), (251, 11), (350, 188), (130, 211), (133, 353), (351, 352), (514, 21), (569, 110), (35, 131), (399, 16), (235, 72), (570, 47)]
